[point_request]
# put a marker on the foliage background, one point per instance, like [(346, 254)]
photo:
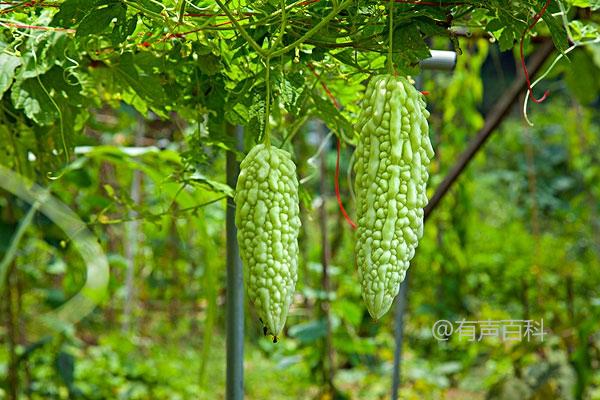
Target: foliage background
[(518, 237)]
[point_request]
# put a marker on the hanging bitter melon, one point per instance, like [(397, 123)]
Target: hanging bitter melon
[(392, 156), (268, 223)]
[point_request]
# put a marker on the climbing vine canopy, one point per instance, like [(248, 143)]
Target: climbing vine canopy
[(207, 60)]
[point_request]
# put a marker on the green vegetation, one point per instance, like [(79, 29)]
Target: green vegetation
[(122, 111)]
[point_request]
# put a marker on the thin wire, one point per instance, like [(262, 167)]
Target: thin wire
[(550, 68), (312, 160), (337, 186), (536, 18), (390, 63)]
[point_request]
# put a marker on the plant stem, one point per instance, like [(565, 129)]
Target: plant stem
[(241, 29), (283, 26), (169, 212), (11, 252), (390, 63), (267, 139), (147, 13), (260, 51), (181, 10), (336, 10), (264, 20), (296, 127)]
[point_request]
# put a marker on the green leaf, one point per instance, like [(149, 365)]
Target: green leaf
[(80, 177), (33, 99), (325, 110), (123, 28), (429, 27), (494, 25), (593, 4), (581, 77), (71, 12), (349, 311), (309, 331), (109, 190), (346, 56), (212, 185), (8, 65), (65, 366), (145, 83), (594, 51), (506, 40), (557, 31), (99, 19), (209, 64), (238, 114), (153, 6), (46, 50), (408, 46), (66, 89)]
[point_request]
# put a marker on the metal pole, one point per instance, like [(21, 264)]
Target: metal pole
[(401, 301), (493, 120), (132, 235), (235, 286), (440, 61), (327, 361)]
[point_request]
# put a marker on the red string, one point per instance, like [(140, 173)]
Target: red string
[(536, 18), (337, 187), (431, 3), (210, 15), (324, 86), (337, 160), (38, 27)]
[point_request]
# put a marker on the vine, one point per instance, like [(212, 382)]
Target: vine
[(267, 138), (536, 18), (390, 62)]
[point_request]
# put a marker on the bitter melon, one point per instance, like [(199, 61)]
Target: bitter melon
[(268, 223), (392, 156)]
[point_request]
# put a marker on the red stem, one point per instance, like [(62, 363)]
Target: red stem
[(431, 3), (38, 27), (327, 91), (536, 18), (337, 160), (337, 187)]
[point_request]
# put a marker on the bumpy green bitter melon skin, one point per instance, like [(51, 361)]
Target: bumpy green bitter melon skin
[(392, 156), (268, 223)]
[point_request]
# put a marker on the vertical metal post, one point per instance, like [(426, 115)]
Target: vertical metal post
[(399, 334), (492, 121), (401, 301), (235, 287), (441, 61), (132, 234), (327, 361)]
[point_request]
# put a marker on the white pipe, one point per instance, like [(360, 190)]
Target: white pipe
[(441, 60)]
